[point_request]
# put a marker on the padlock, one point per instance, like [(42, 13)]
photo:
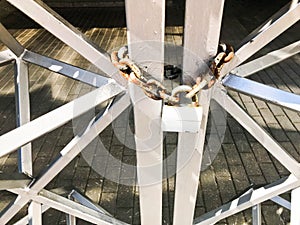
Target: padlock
[(183, 119)]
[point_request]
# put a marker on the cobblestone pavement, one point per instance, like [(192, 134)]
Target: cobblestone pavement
[(236, 162)]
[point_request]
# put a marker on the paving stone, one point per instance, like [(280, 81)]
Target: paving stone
[(220, 166), (232, 155), (285, 123), (124, 214), (260, 153), (276, 110), (239, 177), (108, 202), (270, 172), (268, 116), (241, 142), (250, 164), (251, 109), (240, 162), (278, 133)]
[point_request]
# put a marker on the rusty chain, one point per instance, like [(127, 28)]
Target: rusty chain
[(157, 91)]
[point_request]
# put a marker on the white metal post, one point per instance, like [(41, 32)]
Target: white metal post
[(256, 214), (146, 24), (295, 209), (23, 112), (35, 213), (201, 40)]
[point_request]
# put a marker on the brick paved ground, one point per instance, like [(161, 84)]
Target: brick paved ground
[(240, 160)]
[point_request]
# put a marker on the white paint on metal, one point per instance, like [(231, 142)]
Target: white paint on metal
[(260, 37), (25, 219), (7, 39), (267, 60), (145, 23), (295, 201), (201, 38), (65, 69), (281, 201), (181, 119), (70, 152), (35, 213), (64, 31), (23, 113), (256, 215), (262, 91), (56, 118), (257, 132), (6, 57), (67, 206), (253, 198)]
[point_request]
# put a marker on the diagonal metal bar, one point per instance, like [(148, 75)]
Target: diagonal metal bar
[(97, 125), (281, 201), (10, 41), (267, 60), (56, 118), (262, 91), (14, 180), (6, 57), (249, 199), (68, 206), (63, 68), (64, 31), (264, 35), (75, 195), (256, 131)]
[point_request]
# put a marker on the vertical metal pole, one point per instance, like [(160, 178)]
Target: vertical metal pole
[(23, 112), (295, 202), (70, 219), (201, 37), (256, 214), (146, 24), (35, 213)]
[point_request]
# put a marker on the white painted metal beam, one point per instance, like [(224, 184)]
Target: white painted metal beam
[(56, 118), (25, 219), (276, 25), (256, 215), (262, 91), (35, 213), (23, 113), (267, 60), (282, 202), (14, 180), (248, 200), (65, 69), (257, 132), (295, 201), (201, 38), (67, 33), (6, 57), (97, 125), (7, 39), (146, 24), (67, 206)]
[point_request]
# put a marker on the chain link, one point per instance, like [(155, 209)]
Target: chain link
[(182, 94)]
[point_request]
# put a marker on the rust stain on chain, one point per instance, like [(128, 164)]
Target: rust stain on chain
[(157, 91)]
